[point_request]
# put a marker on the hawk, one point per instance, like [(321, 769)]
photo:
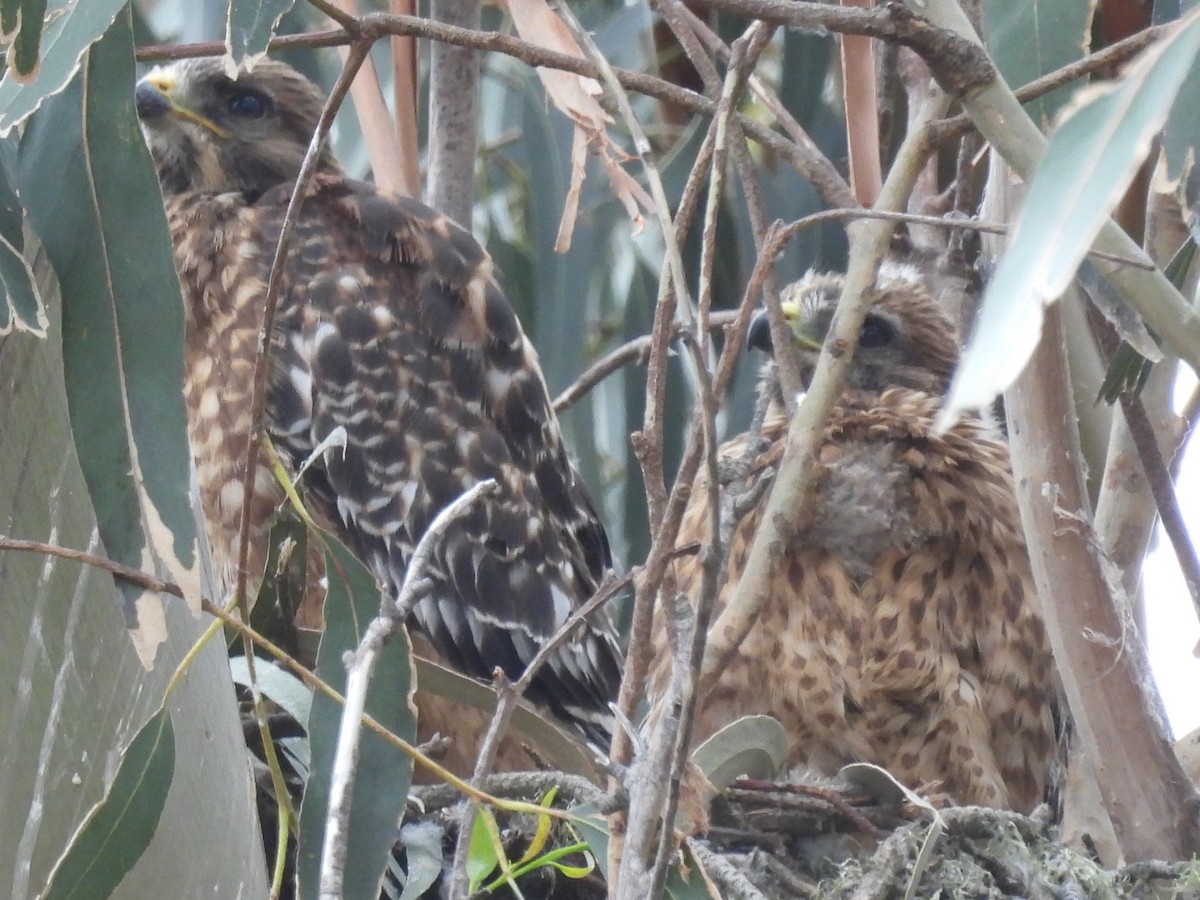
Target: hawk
[(399, 378), (902, 627)]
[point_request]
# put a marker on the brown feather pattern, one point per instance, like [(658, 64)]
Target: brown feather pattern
[(902, 627), (392, 330)]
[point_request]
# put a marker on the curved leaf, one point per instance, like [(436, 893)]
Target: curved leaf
[(119, 829), (560, 750), (1087, 165), (71, 27), (102, 225), (750, 747), (250, 26)]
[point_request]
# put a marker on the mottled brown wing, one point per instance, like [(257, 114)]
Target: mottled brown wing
[(958, 681), (392, 328), (901, 627), (800, 660)]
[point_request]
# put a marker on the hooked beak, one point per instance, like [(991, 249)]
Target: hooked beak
[(155, 97), (758, 335)]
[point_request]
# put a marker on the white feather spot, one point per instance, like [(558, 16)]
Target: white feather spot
[(498, 383), (562, 605), (230, 497), (302, 381), (324, 331), (210, 404), (383, 317)]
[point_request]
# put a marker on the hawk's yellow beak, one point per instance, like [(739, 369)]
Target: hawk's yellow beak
[(805, 339), (155, 97)]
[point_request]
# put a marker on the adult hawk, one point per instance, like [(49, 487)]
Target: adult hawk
[(902, 626), (390, 327)]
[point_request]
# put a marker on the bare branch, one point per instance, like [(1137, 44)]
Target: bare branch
[(453, 112), (1103, 666)]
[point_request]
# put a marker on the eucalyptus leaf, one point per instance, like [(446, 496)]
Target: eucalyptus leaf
[(102, 225), (422, 842), (71, 27), (1088, 163), (22, 307), (281, 686), (118, 831), (1031, 38), (23, 51), (250, 26), (482, 854), (749, 747)]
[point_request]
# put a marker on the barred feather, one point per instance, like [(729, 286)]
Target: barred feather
[(902, 627), (390, 326)]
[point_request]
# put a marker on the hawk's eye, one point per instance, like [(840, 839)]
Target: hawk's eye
[(246, 105), (875, 333)]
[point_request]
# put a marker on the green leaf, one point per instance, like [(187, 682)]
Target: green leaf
[(1031, 38), (1088, 164), (22, 308), (542, 831), (102, 225), (422, 843), (749, 747), (1129, 369), (482, 854), (118, 830), (70, 29), (23, 52), (250, 26), (291, 694), (384, 772), (1181, 135)]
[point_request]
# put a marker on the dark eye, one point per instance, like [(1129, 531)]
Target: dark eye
[(875, 333), (246, 105)]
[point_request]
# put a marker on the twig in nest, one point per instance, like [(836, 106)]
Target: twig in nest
[(801, 796)]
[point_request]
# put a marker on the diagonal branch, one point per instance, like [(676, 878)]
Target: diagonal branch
[(868, 244)]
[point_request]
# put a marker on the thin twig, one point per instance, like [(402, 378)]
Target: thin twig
[(359, 670), (632, 350), (957, 126), (746, 51), (357, 54), (270, 303), (1163, 490), (795, 473), (234, 623), (133, 576)]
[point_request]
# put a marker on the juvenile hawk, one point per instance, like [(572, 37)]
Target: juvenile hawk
[(392, 327), (902, 628)]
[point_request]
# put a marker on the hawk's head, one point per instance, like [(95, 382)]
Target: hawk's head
[(906, 339), (211, 133)]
